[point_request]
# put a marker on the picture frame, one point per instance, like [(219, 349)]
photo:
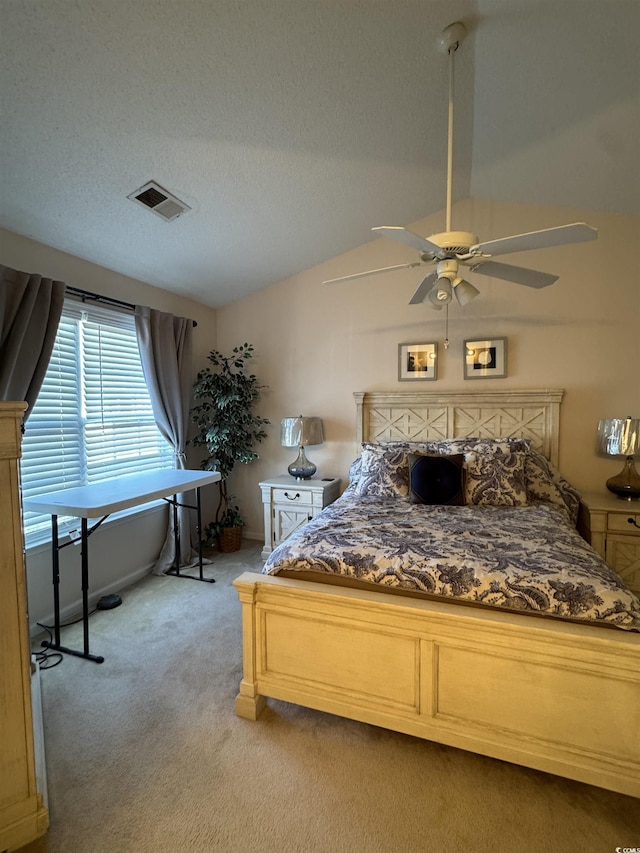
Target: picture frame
[(417, 361), (485, 358)]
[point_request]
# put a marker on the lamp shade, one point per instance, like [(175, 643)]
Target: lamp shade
[(619, 437), (301, 432)]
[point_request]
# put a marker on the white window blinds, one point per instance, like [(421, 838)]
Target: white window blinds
[(93, 418)]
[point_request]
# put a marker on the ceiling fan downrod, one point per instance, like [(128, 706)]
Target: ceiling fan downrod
[(450, 39)]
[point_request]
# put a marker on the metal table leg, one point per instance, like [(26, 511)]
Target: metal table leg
[(175, 570), (84, 557)]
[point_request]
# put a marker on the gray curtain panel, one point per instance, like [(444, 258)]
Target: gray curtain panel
[(30, 309), (165, 344)]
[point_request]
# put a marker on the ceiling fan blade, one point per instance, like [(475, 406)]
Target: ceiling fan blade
[(519, 275), (577, 232), (408, 238), (371, 272), (423, 289)]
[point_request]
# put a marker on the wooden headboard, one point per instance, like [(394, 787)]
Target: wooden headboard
[(429, 415)]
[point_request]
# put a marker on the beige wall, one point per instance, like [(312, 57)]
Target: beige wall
[(317, 344), (125, 549)]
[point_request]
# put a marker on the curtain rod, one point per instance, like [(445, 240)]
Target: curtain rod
[(96, 297)]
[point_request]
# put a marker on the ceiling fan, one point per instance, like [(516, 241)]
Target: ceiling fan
[(452, 250)]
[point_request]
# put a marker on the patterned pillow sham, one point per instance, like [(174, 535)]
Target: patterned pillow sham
[(494, 469), (354, 471), (354, 476), (496, 479), (482, 445), (384, 471), (546, 485)]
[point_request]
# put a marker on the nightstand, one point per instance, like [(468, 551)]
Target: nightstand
[(290, 503), (612, 526)]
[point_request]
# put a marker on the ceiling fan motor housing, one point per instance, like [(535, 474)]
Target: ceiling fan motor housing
[(453, 243)]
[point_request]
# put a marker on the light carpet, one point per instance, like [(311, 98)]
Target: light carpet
[(145, 753)]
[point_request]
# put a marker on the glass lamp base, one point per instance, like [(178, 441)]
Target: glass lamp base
[(302, 469), (626, 484)]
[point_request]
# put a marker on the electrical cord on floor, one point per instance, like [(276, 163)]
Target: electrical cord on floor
[(47, 660), (66, 624)]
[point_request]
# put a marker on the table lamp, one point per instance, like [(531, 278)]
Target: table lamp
[(301, 432), (621, 437)]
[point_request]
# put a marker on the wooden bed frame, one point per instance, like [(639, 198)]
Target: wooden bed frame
[(554, 696)]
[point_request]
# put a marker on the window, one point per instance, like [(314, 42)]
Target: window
[(93, 418)]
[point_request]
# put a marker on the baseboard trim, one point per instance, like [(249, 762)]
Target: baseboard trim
[(74, 609)]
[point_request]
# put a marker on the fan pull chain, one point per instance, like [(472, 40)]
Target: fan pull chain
[(446, 327)]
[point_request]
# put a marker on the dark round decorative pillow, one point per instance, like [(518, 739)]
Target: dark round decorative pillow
[(436, 479)]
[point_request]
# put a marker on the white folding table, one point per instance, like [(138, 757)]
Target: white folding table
[(100, 500)]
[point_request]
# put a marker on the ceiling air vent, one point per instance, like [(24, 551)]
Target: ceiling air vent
[(158, 200)]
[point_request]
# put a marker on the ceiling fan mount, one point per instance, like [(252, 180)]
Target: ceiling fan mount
[(452, 37), (449, 249)]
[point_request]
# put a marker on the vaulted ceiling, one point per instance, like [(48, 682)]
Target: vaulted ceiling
[(291, 127)]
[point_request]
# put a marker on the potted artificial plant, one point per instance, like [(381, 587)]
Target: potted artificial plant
[(229, 429)]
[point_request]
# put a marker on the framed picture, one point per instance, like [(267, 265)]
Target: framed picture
[(485, 359), (417, 361)]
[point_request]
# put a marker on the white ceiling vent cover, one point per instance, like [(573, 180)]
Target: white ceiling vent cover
[(158, 200)]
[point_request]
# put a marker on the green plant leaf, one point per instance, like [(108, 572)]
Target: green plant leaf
[(226, 424)]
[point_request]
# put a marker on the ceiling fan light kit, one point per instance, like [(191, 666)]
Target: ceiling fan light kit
[(464, 291), (441, 293), (450, 250)]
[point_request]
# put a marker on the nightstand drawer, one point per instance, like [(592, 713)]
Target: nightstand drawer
[(621, 524), (293, 496)]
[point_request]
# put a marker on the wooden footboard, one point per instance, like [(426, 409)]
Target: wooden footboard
[(553, 696)]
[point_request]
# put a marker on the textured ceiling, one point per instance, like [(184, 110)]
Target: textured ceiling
[(290, 127)]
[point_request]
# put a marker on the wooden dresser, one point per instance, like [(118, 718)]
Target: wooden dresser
[(23, 817)]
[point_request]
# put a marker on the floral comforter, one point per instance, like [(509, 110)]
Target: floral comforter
[(526, 558)]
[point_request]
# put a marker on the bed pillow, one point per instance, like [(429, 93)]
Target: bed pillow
[(354, 471), (547, 485), (384, 469), (495, 479), (436, 479), (383, 472), (482, 445)]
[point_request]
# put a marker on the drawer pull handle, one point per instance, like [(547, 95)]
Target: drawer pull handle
[(634, 522), (294, 498)]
